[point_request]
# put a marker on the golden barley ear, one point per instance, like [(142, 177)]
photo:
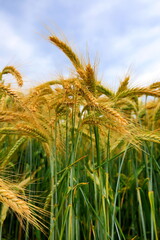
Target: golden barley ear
[(90, 78), (12, 116), (107, 111), (138, 92), (123, 84), (25, 130), (20, 187), (20, 205), (154, 85), (151, 105), (150, 136), (13, 71), (102, 121), (67, 51), (7, 90)]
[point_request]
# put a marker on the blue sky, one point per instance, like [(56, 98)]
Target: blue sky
[(123, 36)]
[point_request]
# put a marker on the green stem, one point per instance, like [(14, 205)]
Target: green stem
[(116, 194)]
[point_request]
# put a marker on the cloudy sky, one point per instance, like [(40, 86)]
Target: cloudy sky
[(123, 36)]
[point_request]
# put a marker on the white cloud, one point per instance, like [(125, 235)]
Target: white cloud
[(12, 43), (151, 9), (16, 50), (98, 8)]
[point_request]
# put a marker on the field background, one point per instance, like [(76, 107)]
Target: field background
[(79, 160)]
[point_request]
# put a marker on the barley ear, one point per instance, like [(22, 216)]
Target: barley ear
[(123, 84), (4, 210), (90, 78), (13, 71), (67, 51), (20, 206), (103, 90), (12, 151), (154, 85)]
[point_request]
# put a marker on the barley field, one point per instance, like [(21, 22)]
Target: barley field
[(78, 160)]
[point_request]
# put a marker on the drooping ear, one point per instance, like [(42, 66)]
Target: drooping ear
[(13, 71)]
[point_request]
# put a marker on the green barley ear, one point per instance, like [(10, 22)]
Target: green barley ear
[(126, 104), (142, 113), (12, 151), (13, 71), (47, 202), (103, 90), (157, 113)]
